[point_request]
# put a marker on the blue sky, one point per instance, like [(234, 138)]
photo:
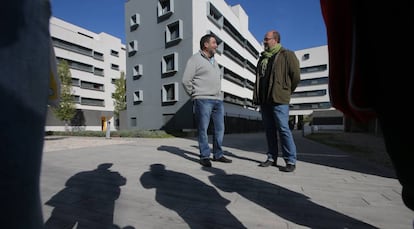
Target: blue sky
[(299, 22)]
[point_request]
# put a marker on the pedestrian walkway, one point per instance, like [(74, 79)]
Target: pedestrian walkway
[(146, 183)]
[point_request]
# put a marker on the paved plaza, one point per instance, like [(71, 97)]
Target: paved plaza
[(134, 183)]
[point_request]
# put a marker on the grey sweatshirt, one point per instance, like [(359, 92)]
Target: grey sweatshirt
[(201, 78)]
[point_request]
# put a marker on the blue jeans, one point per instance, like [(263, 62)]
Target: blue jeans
[(204, 110), (276, 120)]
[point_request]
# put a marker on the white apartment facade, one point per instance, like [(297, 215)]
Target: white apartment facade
[(160, 37), (312, 92), (95, 61)]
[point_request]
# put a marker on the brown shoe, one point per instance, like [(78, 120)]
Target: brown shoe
[(222, 159), (289, 168), (205, 162)]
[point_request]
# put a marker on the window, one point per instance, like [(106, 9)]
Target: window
[(170, 92), (86, 35), (170, 64), (98, 55), (314, 81), (230, 98), (311, 106), (165, 9), (138, 96), (251, 49), (250, 66), (214, 15), (92, 86), (233, 77), (249, 103), (233, 32), (174, 33), (134, 22), (77, 65), (76, 99), (137, 71), (115, 67), (233, 55), (322, 92), (133, 121), (92, 102), (75, 82), (71, 47), (305, 56), (249, 84), (318, 68), (114, 53), (98, 71), (132, 47)]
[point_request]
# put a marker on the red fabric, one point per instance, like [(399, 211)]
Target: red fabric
[(338, 20)]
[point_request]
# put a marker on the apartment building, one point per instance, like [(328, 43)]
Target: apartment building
[(160, 37), (95, 61), (312, 96), (312, 93)]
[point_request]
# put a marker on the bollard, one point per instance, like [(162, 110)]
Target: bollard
[(108, 130)]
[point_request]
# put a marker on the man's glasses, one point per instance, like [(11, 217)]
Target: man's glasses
[(268, 38)]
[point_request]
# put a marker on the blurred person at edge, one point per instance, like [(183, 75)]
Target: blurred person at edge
[(368, 68), (26, 66)]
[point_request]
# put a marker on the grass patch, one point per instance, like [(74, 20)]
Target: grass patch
[(365, 148), (124, 133), (334, 141)]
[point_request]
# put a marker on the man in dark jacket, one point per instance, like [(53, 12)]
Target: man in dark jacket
[(277, 75)]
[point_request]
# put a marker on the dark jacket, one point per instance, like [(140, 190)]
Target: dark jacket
[(282, 77)]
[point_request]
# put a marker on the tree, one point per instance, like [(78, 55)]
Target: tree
[(119, 94), (66, 109)]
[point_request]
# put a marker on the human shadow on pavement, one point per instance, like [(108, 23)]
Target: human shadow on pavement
[(197, 203), (87, 201), (287, 204)]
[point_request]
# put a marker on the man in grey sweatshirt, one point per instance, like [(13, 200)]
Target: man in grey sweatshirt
[(202, 81)]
